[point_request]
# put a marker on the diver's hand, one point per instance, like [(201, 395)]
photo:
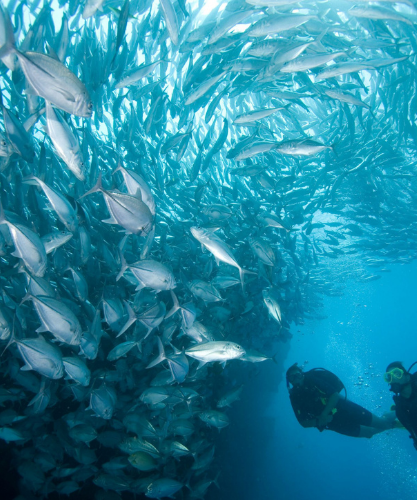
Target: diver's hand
[(323, 420)]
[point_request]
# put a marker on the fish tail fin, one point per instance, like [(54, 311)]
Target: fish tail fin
[(122, 243), (274, 358), (90, 390), (124, 266), (320, 37), (148, 243), (31, 180), (215, 480), (10, 44), (139, 345), (187, 484), (98, 186), (119, 168), (176, 351), (3, 219), (242, 278), (131, 319), (175, 306), (242, 273), (161, 356), (12, 337), (28, 296)]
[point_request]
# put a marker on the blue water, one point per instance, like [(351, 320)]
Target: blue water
[(272, 456)]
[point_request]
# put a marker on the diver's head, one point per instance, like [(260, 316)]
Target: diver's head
[(397, 376), (294, 375)]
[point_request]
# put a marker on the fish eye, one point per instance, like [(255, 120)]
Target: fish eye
[(90, 105)]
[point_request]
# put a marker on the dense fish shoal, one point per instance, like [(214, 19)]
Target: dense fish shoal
[(180, 184)]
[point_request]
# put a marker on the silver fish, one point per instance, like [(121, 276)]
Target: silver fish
[(150, 273), (65, 142), (28, 246), (77, 370), (126, 210), (57, 318), (214, 418), (215, 351), (102, 402), (49, 78), (59, 203), (273, 306), (171, 20), (42, 357), (163, 487), (218, 248)]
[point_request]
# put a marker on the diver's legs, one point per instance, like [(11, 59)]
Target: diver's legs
[(387, 421), (379, 424), (368, 432)]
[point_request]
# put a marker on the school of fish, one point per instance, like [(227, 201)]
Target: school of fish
[(180, 183)]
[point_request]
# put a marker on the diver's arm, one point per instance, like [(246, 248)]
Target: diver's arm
[(305, 419), (309, 422), (331, 404), (326, 415)]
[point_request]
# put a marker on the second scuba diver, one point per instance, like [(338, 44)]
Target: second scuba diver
[(404, 385), (316, 401)]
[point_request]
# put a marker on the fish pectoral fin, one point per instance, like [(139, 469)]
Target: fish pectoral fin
[(67, 95), (29, 90), (201, 364), (150, 330), (110, 220), (42, 329), (26, 368)]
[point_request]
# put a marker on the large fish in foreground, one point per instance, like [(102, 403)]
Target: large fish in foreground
[(48, 77)]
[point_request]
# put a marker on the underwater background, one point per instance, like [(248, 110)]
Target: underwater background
[(194, 196)]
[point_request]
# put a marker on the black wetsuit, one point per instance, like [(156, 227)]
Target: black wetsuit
[(406, 409), (309, 399)]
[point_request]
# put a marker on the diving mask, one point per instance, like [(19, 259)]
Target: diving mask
[(394, 376)]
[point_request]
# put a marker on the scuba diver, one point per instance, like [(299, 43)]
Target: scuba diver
[(316, 401), (404, 385)]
